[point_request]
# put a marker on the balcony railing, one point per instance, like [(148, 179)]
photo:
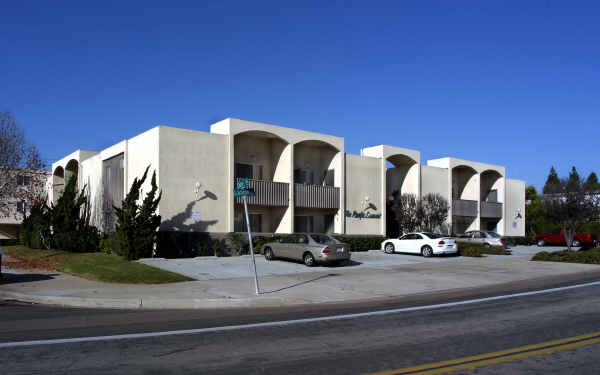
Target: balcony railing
[(316, 196), (268, 193), (491, 210), (462, 207)]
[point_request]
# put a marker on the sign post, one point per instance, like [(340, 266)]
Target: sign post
[(243, 190)]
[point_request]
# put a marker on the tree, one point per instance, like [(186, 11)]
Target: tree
[(534, 212), (70, 219), (592, 184), (18, 159), (572, 205), (434, 211), (552, 184), (137, 224), (407, 211)]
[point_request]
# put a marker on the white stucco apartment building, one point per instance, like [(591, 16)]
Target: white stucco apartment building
[(304, 181)]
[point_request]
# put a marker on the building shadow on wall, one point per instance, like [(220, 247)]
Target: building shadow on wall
[(177, 239)]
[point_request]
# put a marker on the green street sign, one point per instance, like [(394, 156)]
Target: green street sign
[(242, 189), (244, 193)]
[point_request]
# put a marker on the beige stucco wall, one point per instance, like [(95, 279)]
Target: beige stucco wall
[(362, 180), (91, 177), (187, 157), (515, 203), (434, 180)]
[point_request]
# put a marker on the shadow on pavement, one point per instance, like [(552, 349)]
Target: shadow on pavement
[(301, 283), (11, 278)]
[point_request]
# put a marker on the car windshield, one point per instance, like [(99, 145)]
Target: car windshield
[(433, 235), (323, 239), (494, 234)]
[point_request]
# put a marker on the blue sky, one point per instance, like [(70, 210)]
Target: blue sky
[(515, 83)]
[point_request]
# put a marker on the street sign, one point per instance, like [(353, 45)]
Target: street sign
[(244, 193), (242, 189)]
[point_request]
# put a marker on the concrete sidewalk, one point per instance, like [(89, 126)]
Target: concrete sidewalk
[(334, 285)]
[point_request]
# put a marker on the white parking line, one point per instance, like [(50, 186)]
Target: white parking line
[(285, 322)]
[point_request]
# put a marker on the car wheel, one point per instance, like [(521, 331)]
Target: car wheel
[(541, 243), (269, 254), (576, 243), (309, 259), (427, 251), (389, 248)]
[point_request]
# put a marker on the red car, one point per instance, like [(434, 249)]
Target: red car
[(558, 238)]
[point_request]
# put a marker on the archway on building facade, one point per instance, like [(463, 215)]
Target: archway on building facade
[(401, 177), (58, 183)]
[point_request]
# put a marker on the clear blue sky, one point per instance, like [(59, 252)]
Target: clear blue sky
[(515, 83)]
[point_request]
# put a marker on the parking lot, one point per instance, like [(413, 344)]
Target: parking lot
[(212, 268)]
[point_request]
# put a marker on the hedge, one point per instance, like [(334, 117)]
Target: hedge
[(590, 256), (361, 243), (477, 250), (520, 241)]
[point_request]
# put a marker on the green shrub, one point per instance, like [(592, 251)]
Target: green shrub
[(465, 248), (361, 243), (259, 241), (520, 241), (235, 242), (589, 256), (469, 251), (137, 224)]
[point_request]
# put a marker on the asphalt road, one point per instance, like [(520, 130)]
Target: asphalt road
[(348, 346)]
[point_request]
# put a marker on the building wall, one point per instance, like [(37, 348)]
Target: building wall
[(91, 177), (434, 180), (187, 157), (362, 180), (515, 203)]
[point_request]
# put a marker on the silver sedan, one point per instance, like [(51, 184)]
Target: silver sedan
[(310, 248), (484, 237)]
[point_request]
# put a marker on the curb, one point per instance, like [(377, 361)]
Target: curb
[(151, 303)]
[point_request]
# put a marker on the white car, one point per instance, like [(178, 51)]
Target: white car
[(424, 243)]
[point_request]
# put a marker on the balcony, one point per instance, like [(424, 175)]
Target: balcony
[(462, 207), (316, 196), (491, 210), (268, 193)]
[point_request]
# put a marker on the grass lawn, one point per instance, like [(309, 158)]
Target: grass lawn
[(589, 256), (99, 266)]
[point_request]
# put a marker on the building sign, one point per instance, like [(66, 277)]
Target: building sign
[(362, 215)]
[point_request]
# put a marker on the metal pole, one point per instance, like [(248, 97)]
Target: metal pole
[(245, 198)]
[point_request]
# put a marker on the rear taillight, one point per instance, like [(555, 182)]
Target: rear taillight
[(441, 243), (502, 240), (326, 250)]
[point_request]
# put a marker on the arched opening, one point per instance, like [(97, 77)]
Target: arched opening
[(492, 191), (72, 171), (465, 198), (58, 183), (265, 160), (317, 180), (402, 177)]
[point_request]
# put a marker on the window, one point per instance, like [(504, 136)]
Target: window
[(107, 174), (304, 177), (22, 207), (433, 235), (250, 171), (304, 224), (239, 223), (323, 239), (23, 180)]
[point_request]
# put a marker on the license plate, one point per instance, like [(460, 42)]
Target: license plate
[(340, 250)]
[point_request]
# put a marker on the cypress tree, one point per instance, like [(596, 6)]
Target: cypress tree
[(552, 185)]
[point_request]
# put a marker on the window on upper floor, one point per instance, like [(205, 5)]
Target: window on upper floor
[(23, 180)]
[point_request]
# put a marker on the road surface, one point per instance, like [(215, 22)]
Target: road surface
[(417, 340)]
